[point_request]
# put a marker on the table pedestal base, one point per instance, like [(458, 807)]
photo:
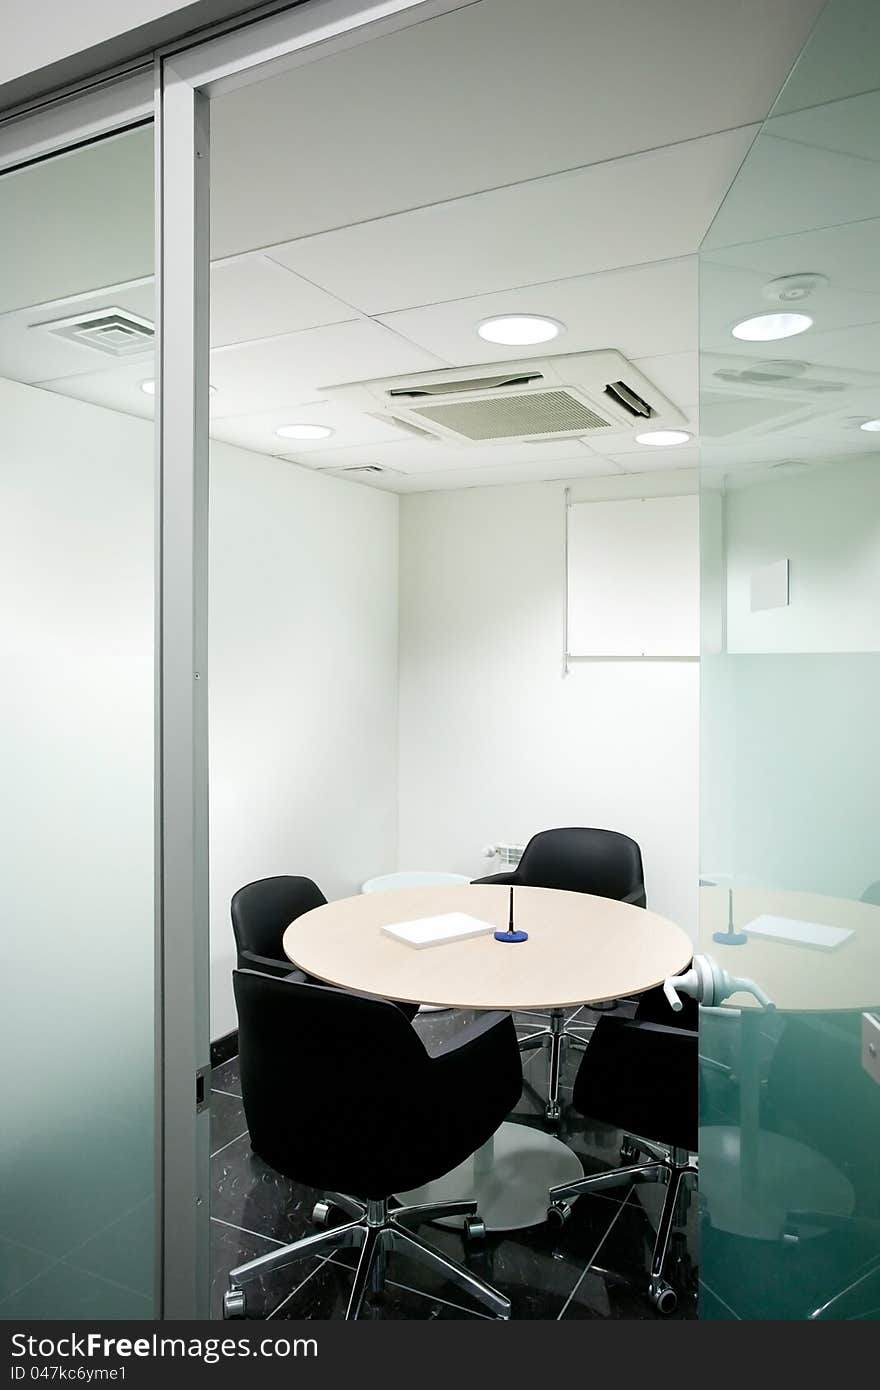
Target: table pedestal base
[(751, 1193), (509, 1177)]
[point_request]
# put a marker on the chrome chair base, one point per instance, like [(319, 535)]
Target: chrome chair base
[(560, 1032), (674, 1168), (375, 1232)]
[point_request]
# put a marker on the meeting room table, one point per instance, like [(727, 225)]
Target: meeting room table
[(580, 950)]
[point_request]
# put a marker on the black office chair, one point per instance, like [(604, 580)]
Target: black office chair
[(579, 860), (643, 1079), (340, 1093), (261, 911)]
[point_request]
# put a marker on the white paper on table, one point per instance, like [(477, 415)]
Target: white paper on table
[(437, 931), (798, 933)]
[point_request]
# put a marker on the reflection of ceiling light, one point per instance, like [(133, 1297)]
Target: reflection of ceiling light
[(663, 439), (763, 328), (519, 330), (304, 431), (149, 388), (870, 425)]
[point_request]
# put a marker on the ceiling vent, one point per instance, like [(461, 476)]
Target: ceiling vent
[(114, 332), (565, 396)]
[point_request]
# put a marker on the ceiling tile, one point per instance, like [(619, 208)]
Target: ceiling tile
[(254, 297), (503, 475), (294, 368), (645, 459), (640, 310), (350, 427), (648, 207), (538, 88), (117, 388), (420, 456)]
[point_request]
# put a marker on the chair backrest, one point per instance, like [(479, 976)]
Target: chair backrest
[(642, 1078), (582, 860), (331, 1082), (262, 910)]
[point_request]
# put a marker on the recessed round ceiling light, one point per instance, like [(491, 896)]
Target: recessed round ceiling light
[(763, 328), (870, 426), (663, 439), (304, 431), (149, 388), (519, 330)]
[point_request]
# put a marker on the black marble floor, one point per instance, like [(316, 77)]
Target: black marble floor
[(595, 1267)]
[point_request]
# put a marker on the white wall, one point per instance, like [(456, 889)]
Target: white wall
[(828, 524), (494, 743), (303, 686)]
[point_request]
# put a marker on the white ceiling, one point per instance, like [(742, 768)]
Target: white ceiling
[(368, 210)]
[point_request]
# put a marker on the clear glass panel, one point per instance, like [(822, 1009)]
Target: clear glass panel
[(790, 853), (77, 587)]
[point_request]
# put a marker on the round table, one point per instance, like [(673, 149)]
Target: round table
[(580, 949), (751, 1178)]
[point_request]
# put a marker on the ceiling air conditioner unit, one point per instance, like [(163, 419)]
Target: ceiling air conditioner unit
[(568, 396)]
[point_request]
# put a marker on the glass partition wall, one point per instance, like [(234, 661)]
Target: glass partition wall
[(77, 1151), (790, 476)]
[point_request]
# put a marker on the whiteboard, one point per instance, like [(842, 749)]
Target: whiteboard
[(634, 577)]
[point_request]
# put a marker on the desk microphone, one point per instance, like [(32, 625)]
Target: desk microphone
[(731, 937), (510, 934)]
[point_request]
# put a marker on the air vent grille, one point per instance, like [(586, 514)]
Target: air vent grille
[(457, 388), (629, 400), (114, 332), (538, 413)]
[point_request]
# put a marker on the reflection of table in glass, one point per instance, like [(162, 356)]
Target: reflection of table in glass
[(752, 1178), (580, 949)]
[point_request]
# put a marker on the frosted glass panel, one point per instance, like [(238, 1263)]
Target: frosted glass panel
[(790, 841), (76, 734)]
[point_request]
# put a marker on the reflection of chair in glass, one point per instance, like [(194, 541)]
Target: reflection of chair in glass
[(641, 1078), (576, 859), (818, 1091)]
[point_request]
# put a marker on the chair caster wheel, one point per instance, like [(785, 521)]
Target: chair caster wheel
[(558, 1213), (321, 1213), (553, 1112), (474, 1228), (234, 1304), (663, 1296)]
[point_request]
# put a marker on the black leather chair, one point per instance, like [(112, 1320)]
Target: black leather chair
[(642, 1078), (578, 860), (260, 913), (340, 1093)]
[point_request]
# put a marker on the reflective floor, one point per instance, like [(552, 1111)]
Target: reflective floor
[(595, 1267)]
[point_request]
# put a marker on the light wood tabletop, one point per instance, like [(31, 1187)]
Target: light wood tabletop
[(580, 948)]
